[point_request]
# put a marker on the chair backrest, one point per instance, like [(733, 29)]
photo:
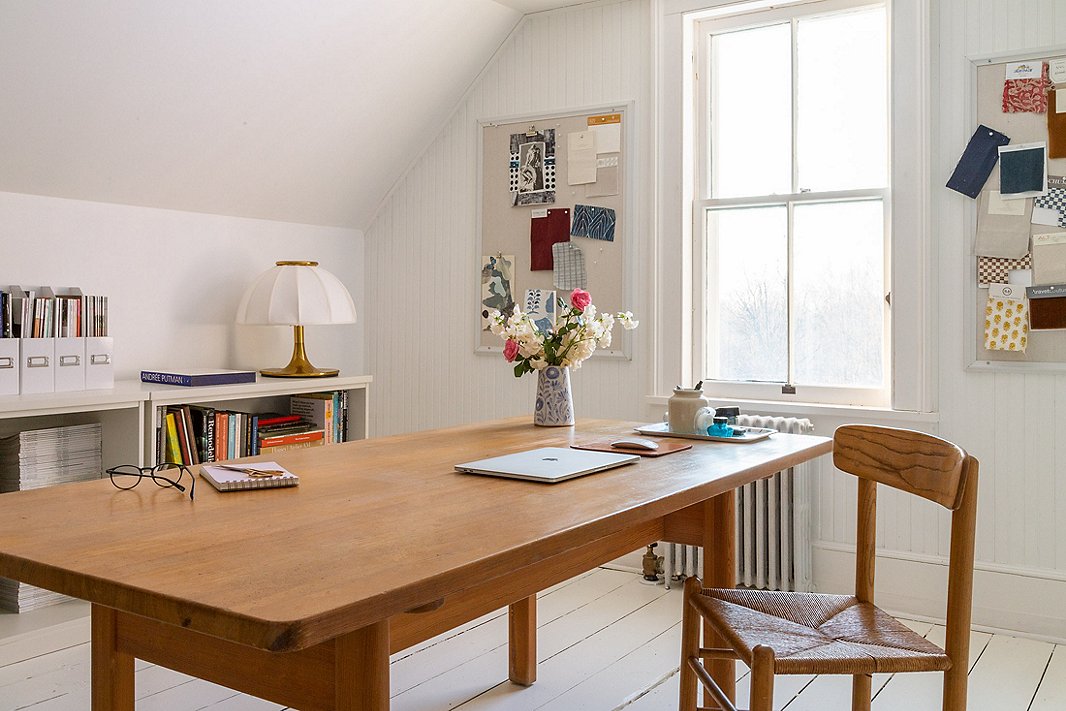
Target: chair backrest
[(911, 461), (929, 467)]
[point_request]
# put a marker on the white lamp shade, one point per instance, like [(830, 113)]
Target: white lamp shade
[(296, 294)]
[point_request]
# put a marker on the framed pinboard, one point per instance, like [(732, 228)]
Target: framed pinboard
[(543, 175)]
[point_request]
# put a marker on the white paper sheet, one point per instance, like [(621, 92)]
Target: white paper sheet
[(608, 137), (581, 158), (1045, 216), (1024, 70)]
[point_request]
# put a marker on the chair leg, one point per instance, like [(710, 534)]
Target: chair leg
[(955, 688), (762, 679), (861, 691), (690, 646)]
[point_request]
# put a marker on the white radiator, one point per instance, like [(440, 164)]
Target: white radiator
[(773, 524)]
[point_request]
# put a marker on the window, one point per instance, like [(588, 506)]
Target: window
[(791, 203)]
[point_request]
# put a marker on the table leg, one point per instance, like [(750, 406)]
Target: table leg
[(112, 670), (522, 639), (719, 571), (361, 660)]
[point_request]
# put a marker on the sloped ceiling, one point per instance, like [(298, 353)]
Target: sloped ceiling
[(283, 110)]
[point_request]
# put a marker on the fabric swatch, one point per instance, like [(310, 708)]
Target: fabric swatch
[(1047, 307), (1056, 124), (595, 222), (1049, 258), (1006, 319), (545, 232), (998, 234), (1054, 200), (977, 161), (1023, 170), (996, 270), (569, 272), (1027, 95)]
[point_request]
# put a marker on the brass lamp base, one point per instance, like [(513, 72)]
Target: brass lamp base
[(299, 366)]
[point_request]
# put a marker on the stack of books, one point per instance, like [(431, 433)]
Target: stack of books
[(36, 458), (327, 410)]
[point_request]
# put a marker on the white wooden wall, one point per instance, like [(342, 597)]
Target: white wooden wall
[(422, 282), (422, 258), (1014, 424)]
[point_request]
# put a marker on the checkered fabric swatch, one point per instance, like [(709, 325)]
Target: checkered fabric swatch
[(569, 271), (595, 222), (1054, 200), (995, 270)]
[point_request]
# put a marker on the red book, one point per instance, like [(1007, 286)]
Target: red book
[(278, 420)]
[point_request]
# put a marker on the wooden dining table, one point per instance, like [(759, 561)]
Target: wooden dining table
[(299, 595)]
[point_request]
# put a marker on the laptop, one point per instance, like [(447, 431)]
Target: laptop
[(548, 464)]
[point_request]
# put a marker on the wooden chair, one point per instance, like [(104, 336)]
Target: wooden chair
[(810, 633)]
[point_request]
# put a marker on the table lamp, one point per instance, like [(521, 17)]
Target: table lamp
[(297, 294)]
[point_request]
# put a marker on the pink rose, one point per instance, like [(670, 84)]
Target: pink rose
[(580, 298), (510, 350)]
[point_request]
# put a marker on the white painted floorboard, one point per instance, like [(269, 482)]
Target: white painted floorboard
[(608, 642)]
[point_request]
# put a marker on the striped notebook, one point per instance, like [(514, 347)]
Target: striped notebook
[(252, 475)]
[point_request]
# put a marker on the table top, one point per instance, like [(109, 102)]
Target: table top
[(376, 527)]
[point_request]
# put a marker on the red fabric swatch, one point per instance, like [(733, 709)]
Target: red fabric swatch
[(543, 233), (1026, 96)]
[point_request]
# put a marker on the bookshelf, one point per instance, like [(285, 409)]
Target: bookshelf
[(264, 395), (128, 416)]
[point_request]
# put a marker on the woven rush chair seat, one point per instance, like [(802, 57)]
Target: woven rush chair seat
[(818, 634)]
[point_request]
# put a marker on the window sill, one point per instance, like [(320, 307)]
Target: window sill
[(777, 407)]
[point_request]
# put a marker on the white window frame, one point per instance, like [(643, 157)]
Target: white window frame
[(702, 202)]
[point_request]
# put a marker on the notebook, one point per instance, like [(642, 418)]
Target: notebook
[(228, 477), (548, 464)]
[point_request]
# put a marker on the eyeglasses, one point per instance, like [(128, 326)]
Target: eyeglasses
[(127, 476)]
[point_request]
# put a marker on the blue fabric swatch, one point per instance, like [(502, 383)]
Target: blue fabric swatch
[(595, 222), (977, 161)]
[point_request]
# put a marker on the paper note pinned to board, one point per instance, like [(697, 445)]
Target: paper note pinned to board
[(581, 158), (608, 130), (1024, 70)]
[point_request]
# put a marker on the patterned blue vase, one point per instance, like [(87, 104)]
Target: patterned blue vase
[(555, 403)]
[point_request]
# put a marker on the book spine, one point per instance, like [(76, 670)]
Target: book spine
[(190, 435), (254, 438), (173, 448), (231, 432), (289, 447), (221, 435), (316, 435), (209, 435), (160, 435), (344, 416), (148, 376)]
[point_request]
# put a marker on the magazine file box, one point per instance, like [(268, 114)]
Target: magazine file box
[(38, 365), (9, 366), (99, 368), (70, 364)]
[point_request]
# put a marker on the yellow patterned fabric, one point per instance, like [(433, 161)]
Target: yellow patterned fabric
[(1006, 323)]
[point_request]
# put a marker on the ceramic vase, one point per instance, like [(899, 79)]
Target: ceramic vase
[(555, 403)]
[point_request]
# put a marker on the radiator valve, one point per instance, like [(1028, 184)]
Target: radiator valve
[(651, 564)]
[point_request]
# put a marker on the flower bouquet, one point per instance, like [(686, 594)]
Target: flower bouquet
[(553, 351)]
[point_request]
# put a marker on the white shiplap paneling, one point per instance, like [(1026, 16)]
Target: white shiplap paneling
[(421, 251)]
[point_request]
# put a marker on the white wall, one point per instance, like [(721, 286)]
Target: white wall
[(174, 279), (421, 251), (425, 236)]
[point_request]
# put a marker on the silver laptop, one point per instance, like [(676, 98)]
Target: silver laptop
[(548, 464)]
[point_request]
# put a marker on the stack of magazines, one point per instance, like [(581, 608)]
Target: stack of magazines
[(36, 458)]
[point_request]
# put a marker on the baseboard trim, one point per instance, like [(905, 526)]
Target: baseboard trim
[(1006, 599)]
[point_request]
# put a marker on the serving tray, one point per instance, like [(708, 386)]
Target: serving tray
[(748, 434)]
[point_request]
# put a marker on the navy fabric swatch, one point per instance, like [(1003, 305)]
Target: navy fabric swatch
[(1022, 171), (977, 161)]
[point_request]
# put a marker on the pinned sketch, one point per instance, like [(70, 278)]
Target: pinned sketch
[(595, 222), (541, 308), (533, 167), (569, 267), (497, 273)]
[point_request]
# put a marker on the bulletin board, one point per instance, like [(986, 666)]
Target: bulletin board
[(504, 227), (1046, 349)]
